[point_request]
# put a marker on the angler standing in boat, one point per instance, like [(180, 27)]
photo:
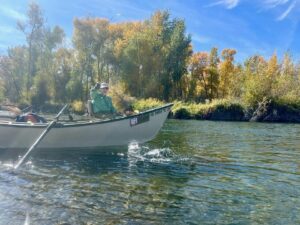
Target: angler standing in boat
[(101, 103)]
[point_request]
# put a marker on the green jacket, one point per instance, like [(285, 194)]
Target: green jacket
[(102, 104)]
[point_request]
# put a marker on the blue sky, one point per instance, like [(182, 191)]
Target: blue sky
[(249, 26)]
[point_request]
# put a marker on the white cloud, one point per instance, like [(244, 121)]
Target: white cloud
[(11, 13), (287, 11), (275, 3), (285, 7), (282, 7), (229, 4)]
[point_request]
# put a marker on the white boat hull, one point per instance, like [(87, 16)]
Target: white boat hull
[(117, 132)]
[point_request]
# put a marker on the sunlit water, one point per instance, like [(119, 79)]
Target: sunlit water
[(194, 172)]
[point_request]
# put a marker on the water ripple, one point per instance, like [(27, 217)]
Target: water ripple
[(192, 173)]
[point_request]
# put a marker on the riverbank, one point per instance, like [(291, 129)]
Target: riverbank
[(229, 110), (216, 110)]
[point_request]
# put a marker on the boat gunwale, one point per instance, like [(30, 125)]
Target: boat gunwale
[(74, 124)]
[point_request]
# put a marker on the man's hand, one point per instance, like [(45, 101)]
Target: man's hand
[(97, 86)]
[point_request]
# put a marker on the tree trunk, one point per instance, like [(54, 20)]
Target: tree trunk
[(29, 70)]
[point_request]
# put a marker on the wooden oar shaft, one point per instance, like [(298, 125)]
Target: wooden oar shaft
[(33, 146), (61, 111)]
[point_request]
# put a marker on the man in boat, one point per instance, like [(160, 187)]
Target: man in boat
[(8, 110), (21, 115), (101, 103), (30, 117), (6, 105)]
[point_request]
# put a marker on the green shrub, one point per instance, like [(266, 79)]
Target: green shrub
[(145, 104), (78, 107), (182, 114), (222, 109)]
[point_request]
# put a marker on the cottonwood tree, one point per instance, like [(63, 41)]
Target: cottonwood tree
[(33, 29)]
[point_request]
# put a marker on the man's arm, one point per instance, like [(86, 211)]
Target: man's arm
[(93, 93), (111, 106)]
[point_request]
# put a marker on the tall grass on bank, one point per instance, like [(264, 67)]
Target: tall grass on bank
[(269, 110), (145, 104), (221, 109)]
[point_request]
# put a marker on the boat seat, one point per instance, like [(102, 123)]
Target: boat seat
[(90, 108)]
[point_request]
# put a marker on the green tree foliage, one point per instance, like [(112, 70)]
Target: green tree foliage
[(199, 64), (62, 75), (204, 75), (94, 50), (271, 79), (40, 91), (176, 59), (286, 85), (47, 68), (11, 71), (33, 29), (227, 72), (148, 59), (153, 57), (2, 78), (213, 73)]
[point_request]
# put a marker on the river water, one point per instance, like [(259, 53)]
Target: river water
[(194, 172)]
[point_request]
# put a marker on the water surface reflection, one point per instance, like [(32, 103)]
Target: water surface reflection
[(194, 172)]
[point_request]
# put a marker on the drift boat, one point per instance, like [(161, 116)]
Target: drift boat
[(121, 131)]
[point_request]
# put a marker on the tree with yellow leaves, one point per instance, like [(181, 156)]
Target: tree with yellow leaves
[(226, 69)]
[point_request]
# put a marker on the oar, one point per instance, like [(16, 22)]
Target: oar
[(27, 219), (38, 140), (26, 109)]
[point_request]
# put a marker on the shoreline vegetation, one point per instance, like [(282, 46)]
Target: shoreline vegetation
[(229, 110), (218, 110), (146, 63)]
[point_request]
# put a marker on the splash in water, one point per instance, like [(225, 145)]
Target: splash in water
[(138, 153), (11, 165), (27, 219)]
